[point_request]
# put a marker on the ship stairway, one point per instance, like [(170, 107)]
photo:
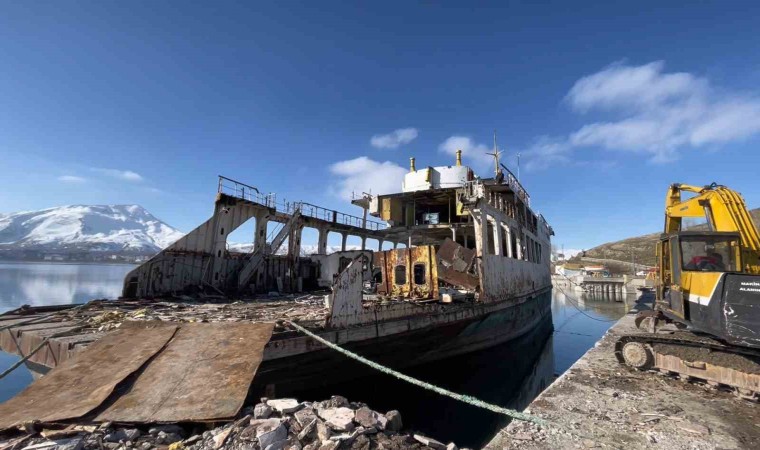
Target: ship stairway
[(254, 260)]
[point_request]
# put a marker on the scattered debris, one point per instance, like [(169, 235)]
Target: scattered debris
[(289, 425)]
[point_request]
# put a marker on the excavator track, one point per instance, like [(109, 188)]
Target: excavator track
[(693, 357)]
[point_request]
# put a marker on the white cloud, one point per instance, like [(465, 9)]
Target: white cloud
[(395, 138), (366, 175), (126, 175), (620, 86), (473, 154), (655, 113), (71, 179)]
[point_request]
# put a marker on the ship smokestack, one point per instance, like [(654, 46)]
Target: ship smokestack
[(411, 165), (459, 157)]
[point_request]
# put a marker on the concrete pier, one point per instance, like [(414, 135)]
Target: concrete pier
[(599, 403)]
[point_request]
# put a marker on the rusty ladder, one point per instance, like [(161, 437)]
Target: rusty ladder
[(254, 260)]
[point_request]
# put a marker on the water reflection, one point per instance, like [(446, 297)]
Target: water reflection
[(40, 284), (580, 319), (510, 375)]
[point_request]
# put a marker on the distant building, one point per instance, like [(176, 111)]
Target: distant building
[(569, 269)]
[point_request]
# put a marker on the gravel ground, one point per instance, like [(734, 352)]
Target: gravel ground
[(599, 403)]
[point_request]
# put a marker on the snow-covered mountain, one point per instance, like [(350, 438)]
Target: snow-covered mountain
[(96, 228)]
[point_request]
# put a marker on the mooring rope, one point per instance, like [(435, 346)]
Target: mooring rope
[(470, 400), (572, 301)]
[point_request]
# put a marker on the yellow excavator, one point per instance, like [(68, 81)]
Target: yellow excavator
[(708, 286)]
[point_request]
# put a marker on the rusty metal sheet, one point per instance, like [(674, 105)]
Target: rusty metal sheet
[(455, 263), (203, 374), (81, 384), (384, 287), (409, 272)]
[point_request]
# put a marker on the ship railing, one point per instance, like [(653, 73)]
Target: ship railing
[(516, 187), (234, 188), (331, 215)]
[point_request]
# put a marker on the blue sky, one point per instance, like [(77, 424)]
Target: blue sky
[(147, 102)]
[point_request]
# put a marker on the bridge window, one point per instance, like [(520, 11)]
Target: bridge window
[(419, 274), (399, 275)]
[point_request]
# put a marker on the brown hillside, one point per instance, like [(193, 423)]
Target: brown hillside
[(642, 247)]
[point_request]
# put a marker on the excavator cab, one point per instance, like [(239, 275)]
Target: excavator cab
[(703, 284)]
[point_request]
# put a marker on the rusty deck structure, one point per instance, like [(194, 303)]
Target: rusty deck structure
[(473, 273), (599, 403)]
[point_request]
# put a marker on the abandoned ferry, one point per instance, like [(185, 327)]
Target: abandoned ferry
[(468, 269)]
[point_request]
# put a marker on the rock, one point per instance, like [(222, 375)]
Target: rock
[(153, 431), (305, 416), (329, 445), (193, 439), (522, 436), (132, 434), (285, 405), (370, 419), (306, 431), (115, 436), (362, 442), (430, 442), (262, 411), (167, 438), (278, 445), (292, 444), (339, 419), (323, 431), (221, 437), (271, 433), (394, 421), (452, 446), (75, 443), (145, 446), (695, 428), (337, 401)]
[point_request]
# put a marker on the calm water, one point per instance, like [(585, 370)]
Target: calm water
[(510, 375), (40, 284)]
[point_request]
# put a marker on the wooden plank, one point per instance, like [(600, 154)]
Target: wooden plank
[(81, 384), (203, 374)]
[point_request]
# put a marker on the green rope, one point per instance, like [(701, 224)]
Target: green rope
[(462, 398)]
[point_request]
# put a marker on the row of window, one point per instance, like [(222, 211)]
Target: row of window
[(531, 250)]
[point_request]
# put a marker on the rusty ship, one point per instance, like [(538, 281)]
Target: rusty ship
[(461, 263)]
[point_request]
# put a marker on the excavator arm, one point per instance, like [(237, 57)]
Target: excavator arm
[(724, 210)]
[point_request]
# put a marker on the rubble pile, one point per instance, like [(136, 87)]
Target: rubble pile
[(101, 316), (280, 424)]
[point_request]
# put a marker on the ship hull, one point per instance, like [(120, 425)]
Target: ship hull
[(500, 322)]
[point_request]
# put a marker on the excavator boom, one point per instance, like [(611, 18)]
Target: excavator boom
[(724, 210)]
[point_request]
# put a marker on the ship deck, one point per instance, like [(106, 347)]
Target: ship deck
[(70, 328)]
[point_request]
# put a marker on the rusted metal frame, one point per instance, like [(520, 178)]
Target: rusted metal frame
[(709, 372)]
